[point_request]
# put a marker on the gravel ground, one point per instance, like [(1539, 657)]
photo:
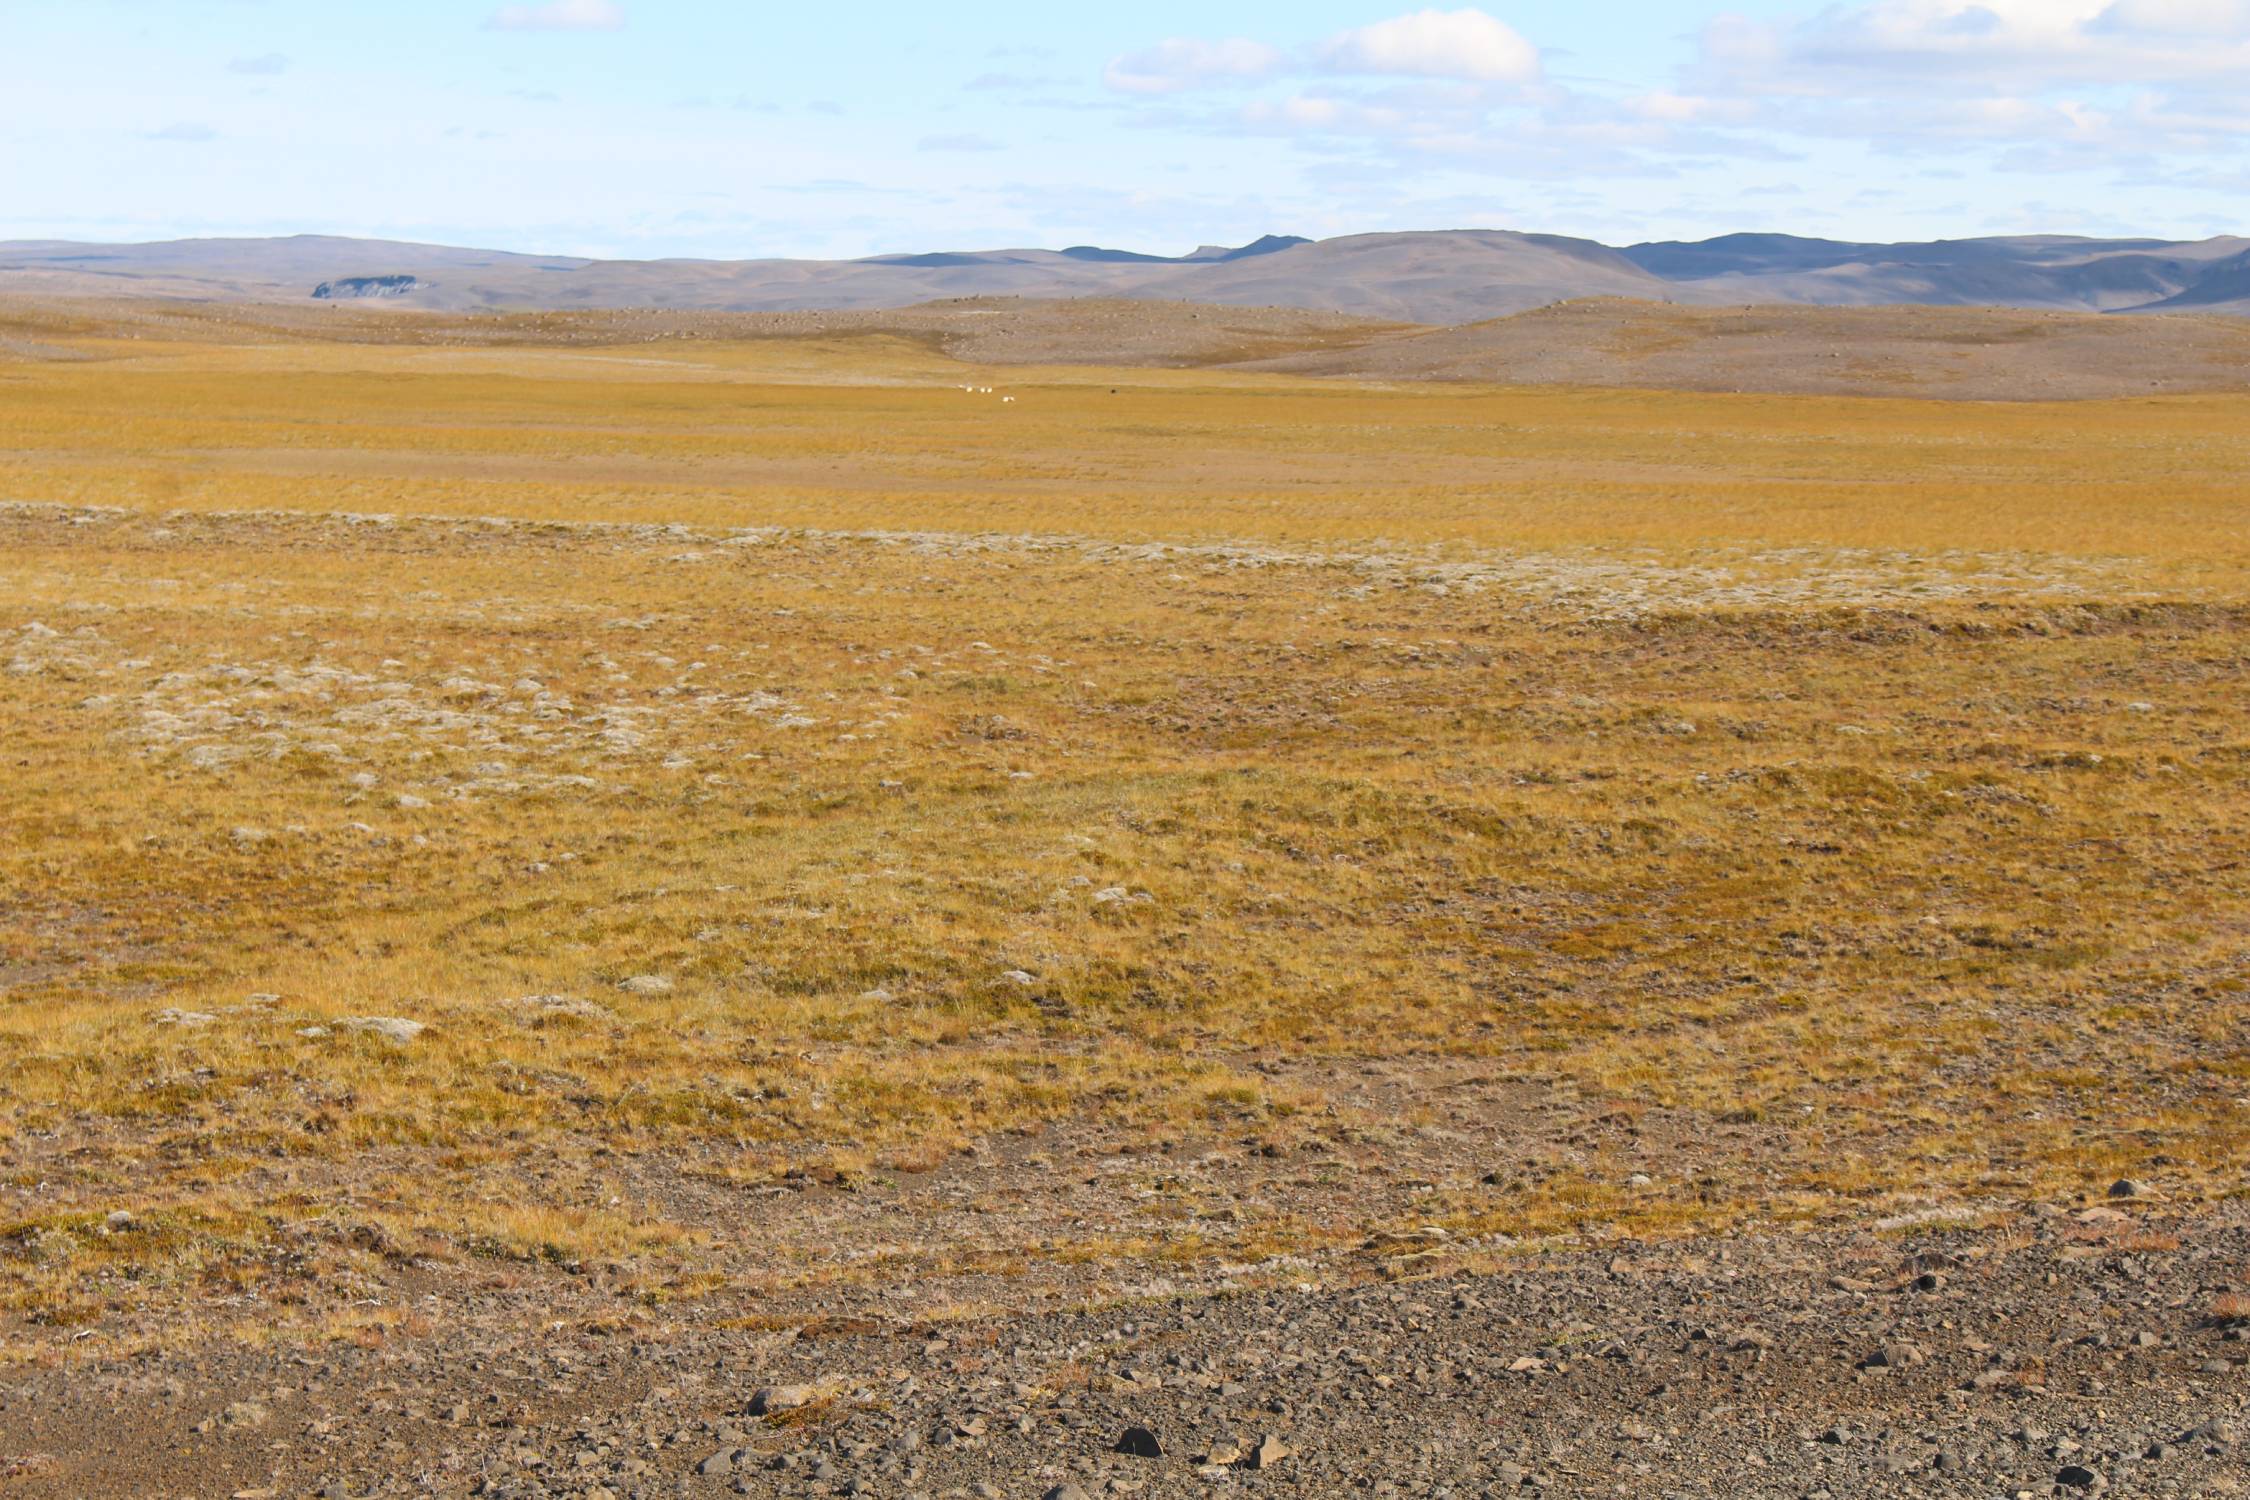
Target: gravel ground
[(2070, 1349)]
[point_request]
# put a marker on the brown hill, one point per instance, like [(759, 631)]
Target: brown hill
[(1436, 277), (1954, 353)]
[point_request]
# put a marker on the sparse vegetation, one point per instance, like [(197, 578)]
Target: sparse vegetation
[(764, 768)]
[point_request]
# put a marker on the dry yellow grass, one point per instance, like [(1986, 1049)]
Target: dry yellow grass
[(1869, 779)]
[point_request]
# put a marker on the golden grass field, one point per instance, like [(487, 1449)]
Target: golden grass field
[(765, 757)]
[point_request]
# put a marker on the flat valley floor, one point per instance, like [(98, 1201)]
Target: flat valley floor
[(588, 911)]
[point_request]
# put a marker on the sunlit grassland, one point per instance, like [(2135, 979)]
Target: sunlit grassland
[(1870, 772), (741, 435)]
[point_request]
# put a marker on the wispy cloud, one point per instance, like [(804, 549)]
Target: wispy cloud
[(190, 131), (1468, 45), (1010, 82), (1184, 62), (1926, 45), (959, 143), (263, 66), (559, 15), (2061, 84)]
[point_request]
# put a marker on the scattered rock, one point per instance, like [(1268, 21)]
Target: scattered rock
[(534, 1009), (1896, 1355), (2127, 1187), (2078, 1477), (189, 1018), (1139, 1442), (646, 984), (390, 1028)]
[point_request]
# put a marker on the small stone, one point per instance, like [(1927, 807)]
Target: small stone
[(390, 1028), (1930, 1281), (187, 1018), (1066, 1491), (1139, 1442), (773, 1399), (1270, 1451), (2127, 1187), (1894, 1356), (2078, 1477), (646, 984), (241, 1414), (721, 1462)]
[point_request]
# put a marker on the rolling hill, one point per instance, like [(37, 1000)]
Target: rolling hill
[(1431, 277)]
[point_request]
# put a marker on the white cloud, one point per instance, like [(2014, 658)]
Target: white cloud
[(1183, 63), (559, 15), (1917, 44), (264, 66), (1687, 109), (1463, 44), (2079, 85), (2176, 17)]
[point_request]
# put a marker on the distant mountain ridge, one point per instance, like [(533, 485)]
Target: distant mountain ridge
[(1432, 276)]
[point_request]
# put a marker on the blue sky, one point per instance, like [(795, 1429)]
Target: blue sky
[(692, 127)]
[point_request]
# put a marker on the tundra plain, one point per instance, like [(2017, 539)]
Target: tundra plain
[(548, 882)]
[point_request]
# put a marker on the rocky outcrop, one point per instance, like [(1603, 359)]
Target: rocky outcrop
[(367, 286)]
